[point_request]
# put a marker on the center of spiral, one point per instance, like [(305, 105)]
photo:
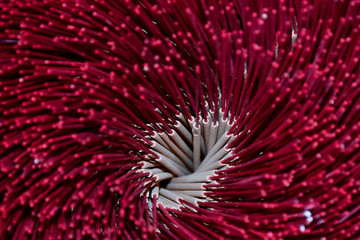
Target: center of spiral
[(185, 158)]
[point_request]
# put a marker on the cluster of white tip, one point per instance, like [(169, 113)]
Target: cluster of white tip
[(184, 159)]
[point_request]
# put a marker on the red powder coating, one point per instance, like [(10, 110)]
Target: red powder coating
[(84, 83)]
